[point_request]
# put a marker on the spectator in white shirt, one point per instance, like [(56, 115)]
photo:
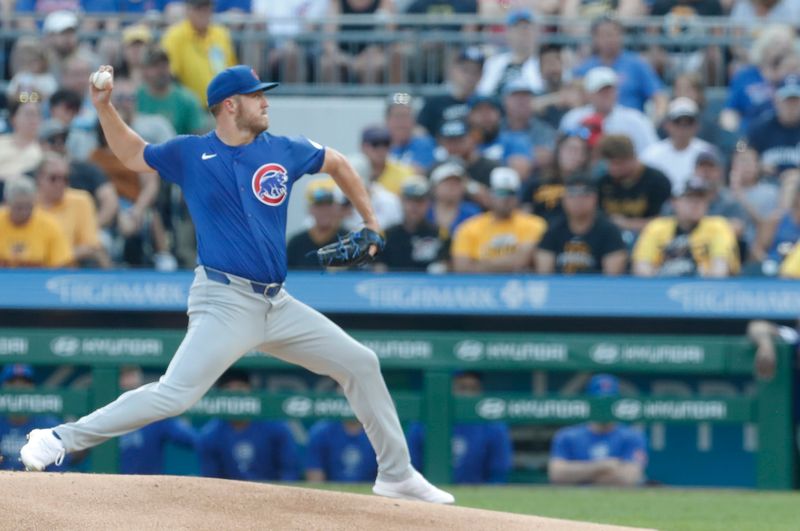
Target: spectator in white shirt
[(675, 156), (520, 61), (600, 84)]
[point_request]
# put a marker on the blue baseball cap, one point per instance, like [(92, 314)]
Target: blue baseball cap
[(519, 15), (16, 370), (239, 79), (479, 99), (601, 385), (789, 88)]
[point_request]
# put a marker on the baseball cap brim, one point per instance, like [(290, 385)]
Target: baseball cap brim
[(263, 87)]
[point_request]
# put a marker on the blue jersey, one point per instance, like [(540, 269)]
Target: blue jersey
[(341, 456), (262, 450), (12, 439), (419, 151), (506, 145), (481, 453), (750, 95), (466, 209), (238, 196), (778, 145), (579, 443), (637, 82), (142, 451)]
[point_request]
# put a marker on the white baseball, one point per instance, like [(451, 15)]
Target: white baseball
[(100, 79)]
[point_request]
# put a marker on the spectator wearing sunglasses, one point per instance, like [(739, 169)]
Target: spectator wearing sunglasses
[(542, 194), (74, 210)]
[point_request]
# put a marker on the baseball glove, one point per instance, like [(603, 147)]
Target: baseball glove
[(351, 249)]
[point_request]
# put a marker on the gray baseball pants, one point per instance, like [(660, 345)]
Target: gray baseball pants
[(225, 322)]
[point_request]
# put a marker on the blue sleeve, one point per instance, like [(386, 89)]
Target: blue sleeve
[(99, 6), (314, 453), (416, 444), (737, 97), (499, 454), (26, 6), (424, 151), (650, 82), (167, 158), (517, 144), (181, 432), (289, 464), (560, 448), (307, 155), (210, 459), (635, 449)]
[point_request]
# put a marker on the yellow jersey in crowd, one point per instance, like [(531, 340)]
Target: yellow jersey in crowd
[(77, 217), (38, 243), (676, 254), (790, 267), (485, 236), (195, 59)]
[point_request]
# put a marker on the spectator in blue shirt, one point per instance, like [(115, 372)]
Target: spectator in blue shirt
[(776, 134), (751, 89), (518, 104), (598, 453), (481, 453), (14, 428), (449, 207), (638, 82), (256, 450), (143, 451), (340, 452), (512, 149), (407, 145)]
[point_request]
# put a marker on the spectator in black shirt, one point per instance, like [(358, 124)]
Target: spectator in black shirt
[(464, 74), (458, 143), (414, 245), (631, 194), (326, 209), (584, 241)]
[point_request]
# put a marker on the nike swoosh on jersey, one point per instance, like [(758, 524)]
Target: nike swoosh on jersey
[(206, 156)]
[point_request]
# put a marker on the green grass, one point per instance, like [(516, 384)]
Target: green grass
[(660, 508)]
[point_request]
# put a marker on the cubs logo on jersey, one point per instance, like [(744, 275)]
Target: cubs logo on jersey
[(269, 184)]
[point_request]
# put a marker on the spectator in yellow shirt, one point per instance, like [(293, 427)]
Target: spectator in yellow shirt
[(690, 242), (29, 237), (502, 240), (197, 49), (790, 267), (390, 174), (73, 209)]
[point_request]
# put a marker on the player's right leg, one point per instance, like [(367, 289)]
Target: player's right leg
[(224, 323)]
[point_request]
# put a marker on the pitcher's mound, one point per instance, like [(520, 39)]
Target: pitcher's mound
[(95, 501)]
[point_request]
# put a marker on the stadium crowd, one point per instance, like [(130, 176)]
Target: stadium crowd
[(532, 158)]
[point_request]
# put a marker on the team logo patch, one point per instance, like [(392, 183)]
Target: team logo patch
[(269, 184)]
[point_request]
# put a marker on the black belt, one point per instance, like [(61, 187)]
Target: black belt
[(268, 290)]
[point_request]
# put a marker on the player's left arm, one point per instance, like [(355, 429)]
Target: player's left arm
[(338, 167)]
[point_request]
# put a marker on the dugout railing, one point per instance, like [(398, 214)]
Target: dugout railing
[(437, 355)]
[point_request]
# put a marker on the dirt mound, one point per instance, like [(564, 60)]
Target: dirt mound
[(88, 501)]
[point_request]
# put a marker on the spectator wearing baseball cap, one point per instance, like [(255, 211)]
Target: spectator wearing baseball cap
[(463, 75), (503, 239), (60, 31), (199, 50), (584, 240), (675, 156), (519, 60), (135, 40), (598, 453), (14, 428), (324, 201), (511, 149), (776, 135), (450, 206), (389, 173), (415, 243), (710, 167), (159, 94), (459, 143), (408, 145), (518, 107), (689, 243), (638, 81), (601, 85)]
